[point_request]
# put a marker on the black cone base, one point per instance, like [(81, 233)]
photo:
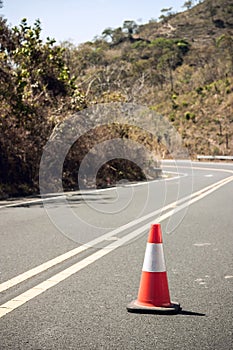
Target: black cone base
[(174, 308)]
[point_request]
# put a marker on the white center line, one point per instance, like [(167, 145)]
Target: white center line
[(61, 258), (61, 276)]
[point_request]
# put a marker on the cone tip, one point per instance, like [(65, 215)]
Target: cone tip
[(155, 234)]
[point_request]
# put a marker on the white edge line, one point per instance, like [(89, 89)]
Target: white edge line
[(61, 276), (63, 195), (66, 194)]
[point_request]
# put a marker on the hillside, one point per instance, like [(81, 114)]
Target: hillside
[(200, 24), (180, 66), (201, 106)]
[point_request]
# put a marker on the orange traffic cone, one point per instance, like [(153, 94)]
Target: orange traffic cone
[(153, 295)]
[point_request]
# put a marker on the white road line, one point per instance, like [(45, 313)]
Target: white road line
[(40, 200), (43, 267), (61, 276), (34, 201), (61, 258), (228, 277), (201, 244), (82, 193), (200, 168)]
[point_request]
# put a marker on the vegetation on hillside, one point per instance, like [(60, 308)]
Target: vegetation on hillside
[(180, 66)]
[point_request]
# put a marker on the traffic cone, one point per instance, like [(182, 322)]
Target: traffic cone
[(153, 295)]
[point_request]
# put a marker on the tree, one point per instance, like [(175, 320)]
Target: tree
[(39, 68), (166, 14), (35, 86), (188, 4), (166, 10), (108, 33), (116, 36), (130, 27), (169, 55)]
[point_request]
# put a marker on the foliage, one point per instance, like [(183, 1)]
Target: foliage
[(35, 88), (188, 4), (181, 67)]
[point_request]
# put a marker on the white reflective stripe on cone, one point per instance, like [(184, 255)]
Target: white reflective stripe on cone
[(154, 258)]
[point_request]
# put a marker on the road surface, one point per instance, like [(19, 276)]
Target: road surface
[(69, 268)]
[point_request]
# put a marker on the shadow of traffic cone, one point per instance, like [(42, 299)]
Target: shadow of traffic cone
[(153, 295)]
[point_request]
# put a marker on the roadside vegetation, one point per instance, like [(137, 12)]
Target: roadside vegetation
[(180, 66)]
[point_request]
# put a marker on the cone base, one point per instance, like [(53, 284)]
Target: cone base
[(174, 308)]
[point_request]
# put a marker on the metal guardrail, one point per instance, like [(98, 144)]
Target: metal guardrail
[(199, 157)]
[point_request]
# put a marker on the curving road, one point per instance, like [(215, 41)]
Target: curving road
[(69, 266)]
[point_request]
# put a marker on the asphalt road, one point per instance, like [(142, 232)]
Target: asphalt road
[(78, 301)]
